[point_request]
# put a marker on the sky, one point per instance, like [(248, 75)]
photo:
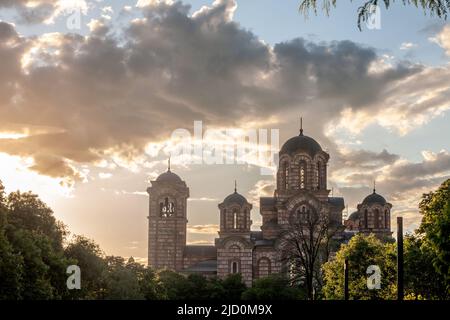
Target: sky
[(94, 96)]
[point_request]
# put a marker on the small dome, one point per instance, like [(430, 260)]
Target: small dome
[(374, 198), (301, 143), (235, 198), (169, 176), (355, 215)]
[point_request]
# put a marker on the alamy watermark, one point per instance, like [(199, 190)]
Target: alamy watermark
[(374, 278), (74, 280), (227, 146)]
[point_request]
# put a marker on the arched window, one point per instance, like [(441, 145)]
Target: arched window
[(318, 176), (286, 176), (234, 219), (234, 267), (264, 267), (245, 218), (377, 219), (302, 175), (366, 219), (386, 219), (223, 218)]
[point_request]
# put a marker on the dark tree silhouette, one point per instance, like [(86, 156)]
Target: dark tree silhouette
[(438, 8), (306, 246)]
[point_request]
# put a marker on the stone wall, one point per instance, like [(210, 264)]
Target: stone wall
[(240, 253)]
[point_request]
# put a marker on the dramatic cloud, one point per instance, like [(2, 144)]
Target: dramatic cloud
[(263, 188), (108, 95), (401, 181), (443, 39), (365, 159), (203, 229), (31, 11)]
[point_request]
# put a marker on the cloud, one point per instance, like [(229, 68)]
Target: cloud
[(262, 188), (443, 39), (105, 175), (402, 182), (407, 46), (200, 242), (365, 159), (31, 11), (204, 199), (108, 95), (433, 165), (203, 229)]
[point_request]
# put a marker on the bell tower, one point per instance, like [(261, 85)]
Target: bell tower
[(167, 221)]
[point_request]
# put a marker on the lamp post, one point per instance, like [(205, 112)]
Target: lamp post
[(399, 258)]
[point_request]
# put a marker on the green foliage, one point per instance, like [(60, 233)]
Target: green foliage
[(421, 279), (86, 254), (439, 8), (11, 270), (33, 262), (274, 287), (31, 247), (233, 287), (361, 252), (435, 228), (121, 282), (27, 211), (174, 286)]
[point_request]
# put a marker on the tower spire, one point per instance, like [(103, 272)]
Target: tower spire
[(168, 164), (301, 126), (374, 186), (235, 186)]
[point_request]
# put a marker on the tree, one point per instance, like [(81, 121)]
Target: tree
[(435, 228), (274, 287), (34, 240), (27, 211), (147, 280), (11, 264), (421, 279), (305, 247), (174, 286), (233, 287), (439, 8), (120, 282), (87, 255), (361, 252)]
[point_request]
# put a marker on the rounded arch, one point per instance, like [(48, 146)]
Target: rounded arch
[(234, 266), (366, 218), (302, 174), (241, 242), (285, 175), (235, 247), (386, 219), (264, 267), (376, 218)]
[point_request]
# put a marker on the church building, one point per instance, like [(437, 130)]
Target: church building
[(301, 186)]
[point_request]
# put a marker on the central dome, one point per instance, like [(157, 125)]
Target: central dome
[(301, 143), (169, 176), (235, 198), (374, 198)]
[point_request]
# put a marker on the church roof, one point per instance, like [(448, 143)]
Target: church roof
[(301, 143), (374, 198), (355, 215), (267, 201), (200, 250), (169, 176), (256, 235), (235, 197), (203, 266)]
